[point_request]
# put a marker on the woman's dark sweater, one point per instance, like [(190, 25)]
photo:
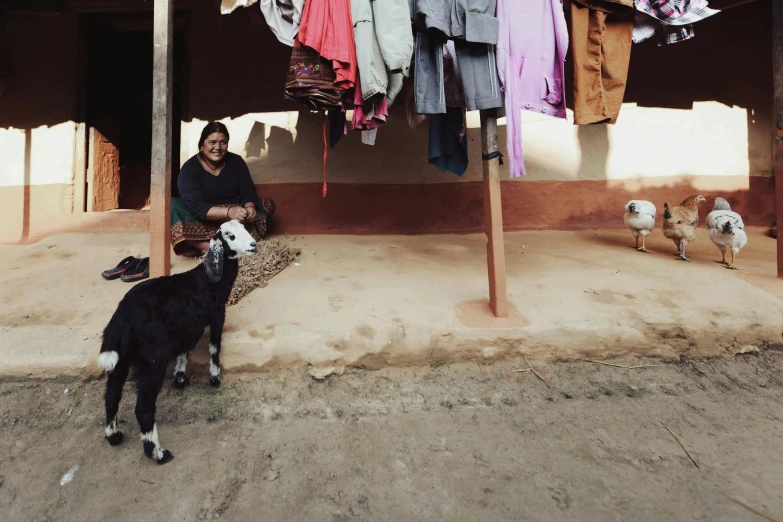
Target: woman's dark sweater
[(200, 190)]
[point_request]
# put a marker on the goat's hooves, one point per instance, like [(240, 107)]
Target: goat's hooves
[(115, 439), (181, 380), (166, 457), (214, 381)]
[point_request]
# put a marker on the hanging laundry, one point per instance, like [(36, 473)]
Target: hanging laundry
[(452, 80), (601, 32), (368, 114), (672, 18), (531, 66), (474, 28), (283, 18), (368, 136), (384, 48), (229, 6), (326, 27), (414, 119), (452, 88), (384, 45), (336, 128), (448, 133), (311, 80), (452, 84), (448, 146)]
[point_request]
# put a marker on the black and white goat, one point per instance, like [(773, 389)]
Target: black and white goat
[(163, 318)]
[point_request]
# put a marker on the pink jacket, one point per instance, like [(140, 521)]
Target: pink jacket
[(531, 51)]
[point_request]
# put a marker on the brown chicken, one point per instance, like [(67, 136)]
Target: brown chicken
[(679, 223)]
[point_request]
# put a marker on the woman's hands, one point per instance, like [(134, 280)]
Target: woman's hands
[(242, 214), (251, 212), (238, 213)]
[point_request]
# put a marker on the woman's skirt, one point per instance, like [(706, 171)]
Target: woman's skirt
[(186, 227)]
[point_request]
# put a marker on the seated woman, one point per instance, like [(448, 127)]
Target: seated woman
[(214, 187)]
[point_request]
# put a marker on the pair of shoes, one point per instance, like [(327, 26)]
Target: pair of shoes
[(129, 270)]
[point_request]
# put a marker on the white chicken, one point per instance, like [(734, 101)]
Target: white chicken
[(726, 230), (640, 218)]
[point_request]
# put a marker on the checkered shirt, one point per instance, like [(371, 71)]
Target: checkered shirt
[(672, 17)]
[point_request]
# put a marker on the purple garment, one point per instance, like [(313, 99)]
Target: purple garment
[(531, 51)]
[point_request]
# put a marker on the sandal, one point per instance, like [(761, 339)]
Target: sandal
[(124, 265), (138, 272)]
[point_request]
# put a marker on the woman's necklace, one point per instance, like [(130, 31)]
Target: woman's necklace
[(212, 170)]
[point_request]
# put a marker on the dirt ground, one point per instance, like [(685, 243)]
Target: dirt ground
[(454, 442)]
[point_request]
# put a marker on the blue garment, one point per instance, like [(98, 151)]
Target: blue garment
[(447, 150)]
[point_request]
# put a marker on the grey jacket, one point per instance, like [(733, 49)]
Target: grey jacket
[(469, 20), (384, 45), (474, 28)]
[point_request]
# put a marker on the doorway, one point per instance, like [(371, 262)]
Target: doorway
[(117, 105)]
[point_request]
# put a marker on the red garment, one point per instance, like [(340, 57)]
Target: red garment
[(326, 27), (368, 114)]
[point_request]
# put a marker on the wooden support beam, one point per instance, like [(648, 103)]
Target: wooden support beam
[(777, 23), (160, 182), (80, 169), (493, 216)]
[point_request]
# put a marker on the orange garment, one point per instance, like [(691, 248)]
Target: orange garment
[(326, 27)]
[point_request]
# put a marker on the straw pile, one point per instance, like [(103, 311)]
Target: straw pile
[(255, 271)]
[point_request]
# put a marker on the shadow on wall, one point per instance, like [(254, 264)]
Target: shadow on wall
[(256, 141)]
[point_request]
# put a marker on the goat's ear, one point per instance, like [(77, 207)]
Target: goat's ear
[(213, 263)]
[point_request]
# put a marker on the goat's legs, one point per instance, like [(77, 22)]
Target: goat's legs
[(149, 382), (215, 334), (114, 384), (180, 379)]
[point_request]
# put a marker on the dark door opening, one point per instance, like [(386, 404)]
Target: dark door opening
[(118, 108)]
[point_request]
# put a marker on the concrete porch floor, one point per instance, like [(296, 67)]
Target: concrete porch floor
[(375, 301)]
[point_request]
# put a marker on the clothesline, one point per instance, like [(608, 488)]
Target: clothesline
[(441, 58)]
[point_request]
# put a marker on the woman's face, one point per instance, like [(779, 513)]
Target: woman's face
[(215, 147)]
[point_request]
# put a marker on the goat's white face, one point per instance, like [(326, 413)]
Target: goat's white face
[(238, 239)]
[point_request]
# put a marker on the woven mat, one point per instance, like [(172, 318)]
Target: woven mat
[(255, 271)]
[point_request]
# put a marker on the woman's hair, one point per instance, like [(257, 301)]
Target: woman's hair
[(212, 127)]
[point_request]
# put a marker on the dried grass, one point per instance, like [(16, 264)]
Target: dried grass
[(273, 256)]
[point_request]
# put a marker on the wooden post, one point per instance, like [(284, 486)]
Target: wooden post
[(493, 216), (80, 169), (777, 23), (160, 182)]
